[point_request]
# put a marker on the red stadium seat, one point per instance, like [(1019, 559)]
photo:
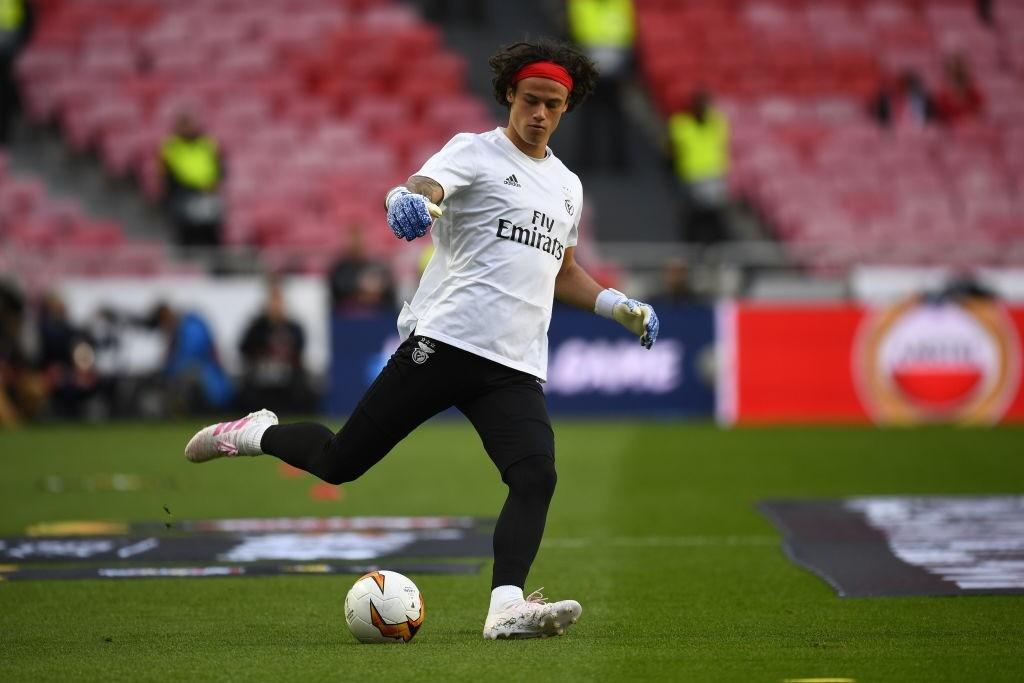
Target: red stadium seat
[(795, 78)]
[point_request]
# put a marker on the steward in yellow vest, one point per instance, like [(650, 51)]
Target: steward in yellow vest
[(13, 16), (602, 23), (606, 30), (700, 154), (16, 24), (192, 176), (192, 162), (700, 143)]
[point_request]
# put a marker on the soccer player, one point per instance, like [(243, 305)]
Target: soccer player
[(505, 214)]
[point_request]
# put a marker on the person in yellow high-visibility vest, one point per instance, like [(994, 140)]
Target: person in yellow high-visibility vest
[(700, 152), (605, 29), (448, 12), (16, 24), (193, 171)]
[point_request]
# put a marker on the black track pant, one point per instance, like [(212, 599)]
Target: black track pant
[(423, 378)]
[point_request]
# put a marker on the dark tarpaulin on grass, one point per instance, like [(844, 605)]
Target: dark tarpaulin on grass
[(899, 546), (255, 525), (230, 571), (352, 546)]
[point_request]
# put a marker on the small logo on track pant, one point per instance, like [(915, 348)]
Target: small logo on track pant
[(421, 354)]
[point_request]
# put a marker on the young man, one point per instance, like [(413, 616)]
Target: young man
[(475, 335)]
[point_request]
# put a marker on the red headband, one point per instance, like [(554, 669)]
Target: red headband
[(549, 70)]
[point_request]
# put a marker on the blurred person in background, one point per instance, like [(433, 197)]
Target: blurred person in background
[(906, 103), (473, 12), (984, 8), (66, 359), (963, 285), (606, 31), (960, 100), (193, 170), (272, 346), (676, 289), (22, 389), (196, 381), (699, 139), (17, 19), (358, 283), (119, 392)]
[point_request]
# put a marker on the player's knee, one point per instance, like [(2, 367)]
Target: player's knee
[(534, 476), (345, 459), (341, 473), (335, 477), (340, 468)]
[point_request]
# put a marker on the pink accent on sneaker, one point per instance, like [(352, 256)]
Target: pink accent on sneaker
[(227, 448), (230, 426)]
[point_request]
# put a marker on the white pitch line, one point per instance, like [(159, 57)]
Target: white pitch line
[(659, 541)]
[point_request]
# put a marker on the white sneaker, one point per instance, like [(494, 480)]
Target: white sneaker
[(534, 617), (228, 439)]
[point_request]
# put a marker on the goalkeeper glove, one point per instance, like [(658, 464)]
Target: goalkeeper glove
[(409, 214), (636, 316)]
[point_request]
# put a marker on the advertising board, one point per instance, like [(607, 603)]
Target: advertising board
[(917, 361), (594, 366)]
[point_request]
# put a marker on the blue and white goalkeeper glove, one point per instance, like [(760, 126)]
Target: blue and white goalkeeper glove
[(636, 316), (409, 214)]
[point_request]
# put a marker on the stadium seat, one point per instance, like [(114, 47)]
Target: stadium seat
[(795, 78), (272, 82)]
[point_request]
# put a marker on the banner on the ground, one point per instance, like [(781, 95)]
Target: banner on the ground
[(921, 360), (594, 366), (260, 547), (257, 525), (894, 545), (243, 547), (14, 573)]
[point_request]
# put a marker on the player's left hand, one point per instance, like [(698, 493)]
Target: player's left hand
[(410, 214), (639, 318)]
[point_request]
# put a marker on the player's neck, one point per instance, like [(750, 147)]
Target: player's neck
[(538, 151)]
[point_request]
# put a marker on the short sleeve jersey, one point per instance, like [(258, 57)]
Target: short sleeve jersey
[(508, 219)]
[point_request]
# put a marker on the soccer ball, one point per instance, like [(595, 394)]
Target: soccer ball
[(384, 607)]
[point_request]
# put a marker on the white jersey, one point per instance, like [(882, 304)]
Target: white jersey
[(508, 219)]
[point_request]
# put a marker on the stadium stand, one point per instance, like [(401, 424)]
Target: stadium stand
[(795, 78), (312, 101), (43, 237)]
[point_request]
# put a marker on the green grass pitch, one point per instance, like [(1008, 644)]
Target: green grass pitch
[(652, 529)]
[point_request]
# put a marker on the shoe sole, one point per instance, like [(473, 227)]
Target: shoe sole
[(554, 624)]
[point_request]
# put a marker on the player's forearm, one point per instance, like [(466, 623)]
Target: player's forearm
[(427, 187), (575, 287)]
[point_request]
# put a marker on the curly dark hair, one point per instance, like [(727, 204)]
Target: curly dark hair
[(511, 58)]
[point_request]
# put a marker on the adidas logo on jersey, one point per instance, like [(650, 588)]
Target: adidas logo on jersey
[(513, 181)]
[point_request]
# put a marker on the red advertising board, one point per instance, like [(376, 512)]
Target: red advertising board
[(914, 362)]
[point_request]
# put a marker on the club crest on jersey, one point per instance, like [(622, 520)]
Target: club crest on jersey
[(421, 354), (569, 208)]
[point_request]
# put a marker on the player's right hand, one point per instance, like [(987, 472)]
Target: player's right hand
[(410, 214)]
